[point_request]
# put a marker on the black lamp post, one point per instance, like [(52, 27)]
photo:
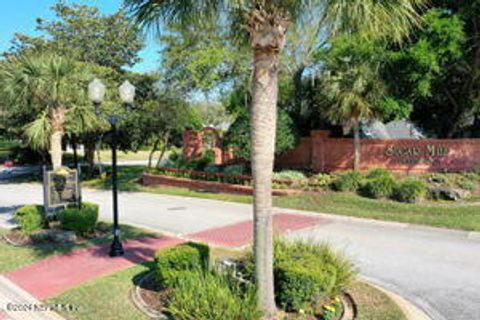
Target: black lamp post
[(96, 93)]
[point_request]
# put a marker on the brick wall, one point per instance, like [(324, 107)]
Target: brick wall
[(323, 154)]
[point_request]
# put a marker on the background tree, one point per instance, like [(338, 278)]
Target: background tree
[(164, 121), (51, 88), (213, 114), (266, 23), (436, 70), (353, 87), (82, 33), (108, 42)]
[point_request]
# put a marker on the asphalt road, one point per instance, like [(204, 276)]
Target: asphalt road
[(438, 270)]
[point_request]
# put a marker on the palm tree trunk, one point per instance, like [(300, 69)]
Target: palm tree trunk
[(89, 147), (356, 146), (57, 118), (267, 41)]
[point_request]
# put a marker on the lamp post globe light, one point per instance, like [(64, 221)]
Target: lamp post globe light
[(96, 93)]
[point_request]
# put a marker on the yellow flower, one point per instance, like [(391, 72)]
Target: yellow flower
[(62, 172), (329, 308), (301, 311), (336, 300)]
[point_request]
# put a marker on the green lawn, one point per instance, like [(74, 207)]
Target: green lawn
[(455, 216), (373, 304), (12, 258), (106, 298)]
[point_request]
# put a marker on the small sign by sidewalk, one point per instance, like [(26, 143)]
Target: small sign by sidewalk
[(61, 188)]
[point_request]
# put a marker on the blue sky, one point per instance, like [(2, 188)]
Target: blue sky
[(19, 16)]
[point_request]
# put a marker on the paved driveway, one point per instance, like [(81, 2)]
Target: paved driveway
[(437, 269)]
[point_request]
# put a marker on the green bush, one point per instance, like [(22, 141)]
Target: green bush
[(348, 181), (467, 185), (409, 190), (198, 295), (381, 186), (176, 161), (30, 218), (321, 180), (306, 272), (170, 263), (211, 168), (238, 135), (378, 173), (82, 221), (289, 175), (234, 169)]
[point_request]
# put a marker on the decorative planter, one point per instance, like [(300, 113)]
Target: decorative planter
[(349, 308), (153, 180)]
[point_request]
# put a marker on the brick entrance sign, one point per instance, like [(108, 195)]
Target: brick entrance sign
[(323, 154), (196, 142)]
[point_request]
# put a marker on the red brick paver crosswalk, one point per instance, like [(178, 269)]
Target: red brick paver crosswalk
[(241, 234), (57, 274)]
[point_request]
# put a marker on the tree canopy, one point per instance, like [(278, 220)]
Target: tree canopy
[(83, 33)]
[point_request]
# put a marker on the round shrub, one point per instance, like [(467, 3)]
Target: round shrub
[(409, 190), (30, 218), (381, 186), (292, 175), (81, 220), (306, 272), (321, 180), (170, 263), (347, 181), (378, 173)]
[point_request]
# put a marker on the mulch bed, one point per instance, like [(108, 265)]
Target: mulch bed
[(16, 238), (153, 294)]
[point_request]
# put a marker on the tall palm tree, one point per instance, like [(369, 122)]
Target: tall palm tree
[(48, 86), (354, 93), (266, 23)]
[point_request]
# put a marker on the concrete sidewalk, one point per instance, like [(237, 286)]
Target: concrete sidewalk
[(14, 300)]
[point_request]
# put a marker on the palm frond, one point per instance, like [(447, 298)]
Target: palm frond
[(38, 132), (152, 14), (387, 18)]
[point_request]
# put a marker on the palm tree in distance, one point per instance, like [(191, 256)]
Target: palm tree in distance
[(354, 93), (265, 24), (51, 86)]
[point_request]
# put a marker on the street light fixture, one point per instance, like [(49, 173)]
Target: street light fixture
[(96, 93)]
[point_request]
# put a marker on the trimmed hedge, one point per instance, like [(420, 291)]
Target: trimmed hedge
[(172, 262), (409, 190), (30, 218), (82, 221)]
